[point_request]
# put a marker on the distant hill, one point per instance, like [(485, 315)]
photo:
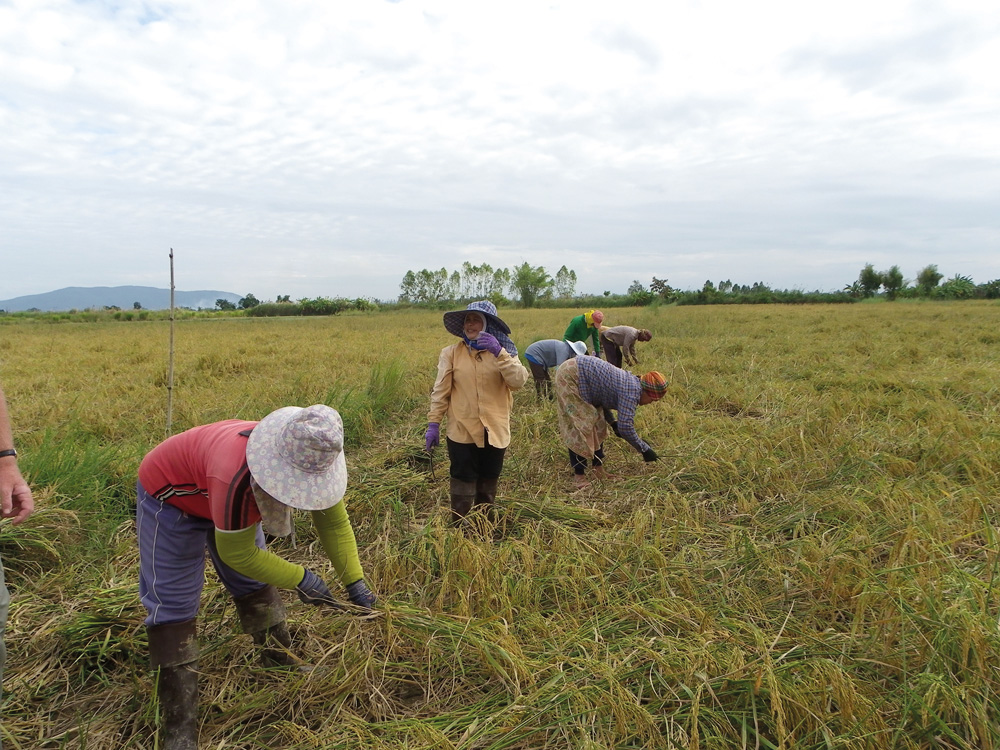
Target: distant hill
[(125, 297)]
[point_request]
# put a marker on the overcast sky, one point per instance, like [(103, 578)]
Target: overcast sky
[(320, 148)]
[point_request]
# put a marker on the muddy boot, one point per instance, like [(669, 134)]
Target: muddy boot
[(463, 496), (486, 494), (173, 651), (262, 615)]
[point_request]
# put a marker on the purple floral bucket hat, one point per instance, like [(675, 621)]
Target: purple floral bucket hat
[(296, 455)]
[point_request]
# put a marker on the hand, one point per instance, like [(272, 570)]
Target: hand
[(649, 455), (359, 593), (487, 342), (596, 354), (17, 502), (432, 438), (312, 590)]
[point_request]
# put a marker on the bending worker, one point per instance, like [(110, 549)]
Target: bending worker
[(212, 487), (619, 341), (547, 353), (584, 327), (587, 389)]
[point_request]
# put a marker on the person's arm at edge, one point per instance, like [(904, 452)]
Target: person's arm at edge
[(16, 501)]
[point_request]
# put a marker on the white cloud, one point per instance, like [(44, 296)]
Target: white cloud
[(313, 148)]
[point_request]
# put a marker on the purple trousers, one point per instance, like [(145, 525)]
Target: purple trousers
[(172, 547)]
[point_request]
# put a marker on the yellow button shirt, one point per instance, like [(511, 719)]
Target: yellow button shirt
[(476, 391)]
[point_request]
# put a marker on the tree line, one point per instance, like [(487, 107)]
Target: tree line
[(528, 284), (533, 286)]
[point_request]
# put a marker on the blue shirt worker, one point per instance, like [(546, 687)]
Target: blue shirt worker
[(548, 353)]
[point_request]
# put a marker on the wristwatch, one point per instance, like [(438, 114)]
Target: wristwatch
[(8, 452)]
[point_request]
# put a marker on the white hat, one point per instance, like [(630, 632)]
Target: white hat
[(578, 346), (296, 455)]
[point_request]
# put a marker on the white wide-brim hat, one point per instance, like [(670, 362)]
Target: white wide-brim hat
[(296, 455), (578, 346)]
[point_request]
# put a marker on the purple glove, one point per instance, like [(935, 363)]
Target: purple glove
[(312, 590), (487, 342), (359, 594), (432, 438)]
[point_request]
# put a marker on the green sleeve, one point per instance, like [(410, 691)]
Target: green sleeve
[(238, 550), (337, 537), (595, 336)]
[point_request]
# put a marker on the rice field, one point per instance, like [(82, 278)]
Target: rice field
[(813, 563)]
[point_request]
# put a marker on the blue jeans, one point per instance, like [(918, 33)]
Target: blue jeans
[(172, 547)]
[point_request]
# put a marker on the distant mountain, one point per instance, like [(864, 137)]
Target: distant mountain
[(125, 297)]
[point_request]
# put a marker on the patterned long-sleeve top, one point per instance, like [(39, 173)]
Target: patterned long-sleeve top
[(607, 387)]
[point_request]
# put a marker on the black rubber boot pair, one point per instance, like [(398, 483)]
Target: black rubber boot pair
[(466, 496)]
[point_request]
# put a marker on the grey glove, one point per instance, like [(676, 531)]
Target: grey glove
[(359, 593), (312, 590)]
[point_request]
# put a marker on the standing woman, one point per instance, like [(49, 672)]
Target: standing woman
[(476, 380), (584, 327), (587, 389)]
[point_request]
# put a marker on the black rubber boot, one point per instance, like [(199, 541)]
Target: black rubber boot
[(463, 496), (486, 495), (173, 651), (262, 615)]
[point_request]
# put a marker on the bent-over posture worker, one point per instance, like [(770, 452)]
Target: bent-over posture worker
[(587, 389), (619, 341), (584, 327), (212, 487), (547, 353)]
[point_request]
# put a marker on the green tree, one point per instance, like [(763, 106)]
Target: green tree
[(928, 278), (893, 282), (565, 283), (249, 301), (957, 287), (870, 281), (224, 304), (408, 287), (635, 288), (531, 283), (662, 288)]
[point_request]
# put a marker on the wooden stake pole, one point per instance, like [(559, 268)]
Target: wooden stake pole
[(170, 365)]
